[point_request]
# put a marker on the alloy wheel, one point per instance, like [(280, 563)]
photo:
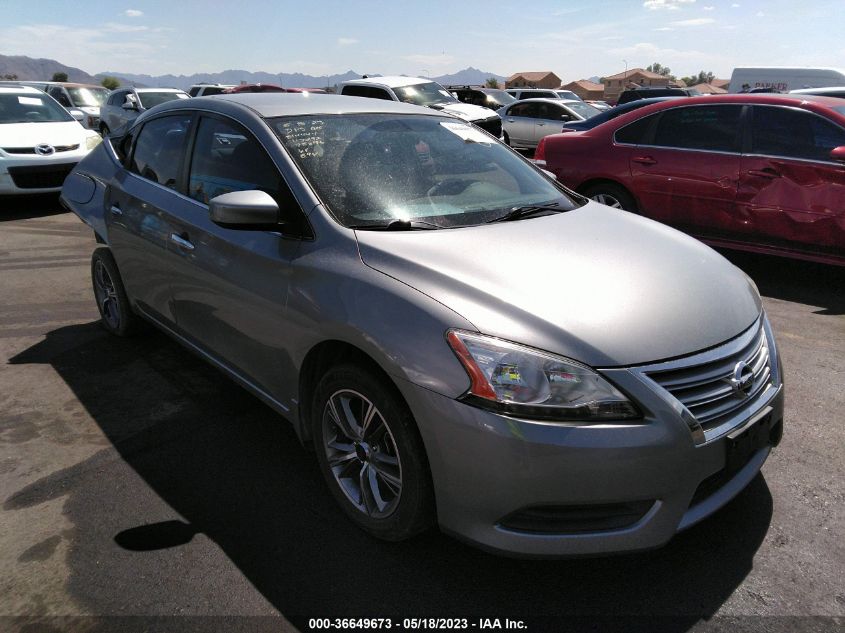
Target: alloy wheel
[(362, 453), (608, 200), (106, 294)]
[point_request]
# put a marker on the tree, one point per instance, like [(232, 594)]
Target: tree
[(701, 78), (9, 77), (660, 69), (491, 82), (110, 82), (59, 77)]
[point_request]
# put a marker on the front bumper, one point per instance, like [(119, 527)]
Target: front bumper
[(488, 468), (32, 174)]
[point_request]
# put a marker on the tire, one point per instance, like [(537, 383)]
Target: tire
[(116, 315), (612, 196), (396, 500)]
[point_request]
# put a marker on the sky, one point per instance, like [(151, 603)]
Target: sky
[(573, 38)]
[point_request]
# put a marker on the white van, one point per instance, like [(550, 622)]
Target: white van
[(784, 79)]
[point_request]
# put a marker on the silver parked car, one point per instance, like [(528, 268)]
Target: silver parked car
[(123, 105), (461, 339), (525, 122)]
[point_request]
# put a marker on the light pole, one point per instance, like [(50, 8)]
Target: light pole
[(626, 71)]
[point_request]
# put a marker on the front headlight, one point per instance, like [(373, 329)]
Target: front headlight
[(528, 383), (92, 141)]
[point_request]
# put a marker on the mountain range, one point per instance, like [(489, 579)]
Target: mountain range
[(27, 68)]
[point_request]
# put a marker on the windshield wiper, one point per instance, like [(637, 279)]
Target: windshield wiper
[(526, 211), (398, 225)]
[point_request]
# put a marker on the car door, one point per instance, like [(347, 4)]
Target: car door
[(230, 285), (686, 171), (142, 203), (791, 192), (519, 123), (551, 119)]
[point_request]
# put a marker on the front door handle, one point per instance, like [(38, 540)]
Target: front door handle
[(182, 240), (767, 172), (644, 160)]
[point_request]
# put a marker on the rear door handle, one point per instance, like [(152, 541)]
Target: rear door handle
[(767, 172), (182, 240), (644, 160)]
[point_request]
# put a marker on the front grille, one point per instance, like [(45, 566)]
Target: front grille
[(493, 125), (40, 176), (31, 150), (705, 389)]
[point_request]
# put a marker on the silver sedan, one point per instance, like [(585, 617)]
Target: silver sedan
[(525, 122), (462, 340)]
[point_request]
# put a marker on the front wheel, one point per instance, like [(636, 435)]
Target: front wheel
[(371, 454), (612, 196)]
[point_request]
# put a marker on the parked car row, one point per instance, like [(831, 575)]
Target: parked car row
[(83, 101)]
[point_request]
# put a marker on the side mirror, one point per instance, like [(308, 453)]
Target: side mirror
[(128, 105), (838, 154), (565, 117), (252, 209)]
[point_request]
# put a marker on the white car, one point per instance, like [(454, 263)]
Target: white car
[(423, 92), (40, 142)]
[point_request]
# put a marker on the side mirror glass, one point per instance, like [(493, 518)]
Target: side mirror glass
[(838, 154), (252, 209)]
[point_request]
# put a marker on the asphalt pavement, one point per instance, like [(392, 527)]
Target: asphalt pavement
[(140, 489)]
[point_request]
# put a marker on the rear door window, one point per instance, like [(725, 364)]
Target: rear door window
[(160, 149), (635, 133), (793, 133), (366, 91), (711, 128)]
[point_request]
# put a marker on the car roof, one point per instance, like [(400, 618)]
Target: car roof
[(154, 89), (547, 100), (391, 81), (273, 104), (27, 90)]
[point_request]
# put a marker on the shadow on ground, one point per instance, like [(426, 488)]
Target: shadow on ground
[(229, 470), (26, 207), (794, 280)]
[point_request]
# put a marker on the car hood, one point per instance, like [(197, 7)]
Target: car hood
[(598, 285), (31, 134), (467, 111)]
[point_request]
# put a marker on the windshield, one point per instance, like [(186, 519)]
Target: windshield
[(424, 94), (31, 108), (568, 94), (87, 96), (499, 97), (370, 169), (583, 109), (150, 99)]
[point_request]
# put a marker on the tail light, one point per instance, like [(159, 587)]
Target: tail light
[(540, 152)]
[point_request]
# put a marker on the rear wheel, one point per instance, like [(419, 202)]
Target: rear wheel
[(115, 314), (371, 454), (612, 196)]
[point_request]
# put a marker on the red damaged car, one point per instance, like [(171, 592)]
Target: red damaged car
[(756, 172)]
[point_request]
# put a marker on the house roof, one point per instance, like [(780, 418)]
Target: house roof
[(631, 71), (720, 83), (533, 76), (586, 84), (709, 89)]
